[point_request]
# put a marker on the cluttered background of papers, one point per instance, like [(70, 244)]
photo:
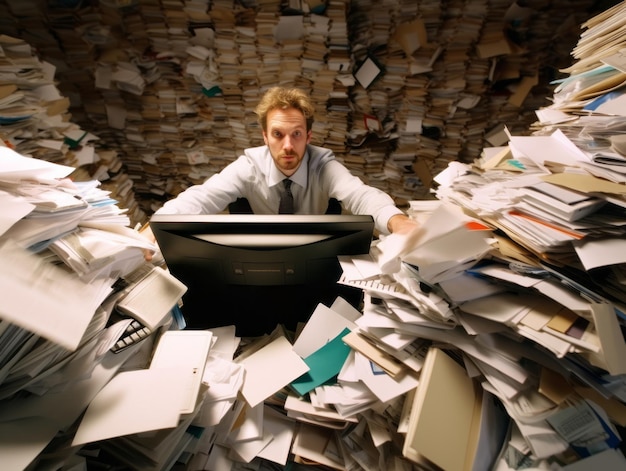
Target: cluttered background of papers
[(495, 330)]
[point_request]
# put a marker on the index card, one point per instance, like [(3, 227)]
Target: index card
[(323, 325), (557, 146), (270, 369), (249, 426), (133, 402), (602, 252), (344, 308), (367, 72)]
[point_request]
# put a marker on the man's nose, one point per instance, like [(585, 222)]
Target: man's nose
[(287, 143)]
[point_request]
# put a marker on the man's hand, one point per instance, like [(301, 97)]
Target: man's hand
[(146, 231), (401, 224)]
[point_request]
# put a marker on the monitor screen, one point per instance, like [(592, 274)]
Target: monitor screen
[(225, 257)]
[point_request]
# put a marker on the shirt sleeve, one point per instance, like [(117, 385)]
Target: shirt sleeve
[(357, 197), (212, 196)]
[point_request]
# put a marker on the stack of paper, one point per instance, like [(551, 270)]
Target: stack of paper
[(57, 323), (47, 132), (520, 314), (173, 90)]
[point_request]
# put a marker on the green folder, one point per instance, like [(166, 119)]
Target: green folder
[(325, 363)]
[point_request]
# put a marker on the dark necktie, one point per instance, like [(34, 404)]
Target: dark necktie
[(286, 200)]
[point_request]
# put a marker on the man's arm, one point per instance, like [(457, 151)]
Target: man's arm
[(215, 193), (359, 198)]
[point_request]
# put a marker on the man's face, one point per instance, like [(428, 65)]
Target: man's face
[(286, 138)]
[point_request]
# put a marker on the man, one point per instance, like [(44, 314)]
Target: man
[(286, 119), (315, 176)]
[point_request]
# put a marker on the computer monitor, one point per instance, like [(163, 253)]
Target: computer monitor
[(255, 271)]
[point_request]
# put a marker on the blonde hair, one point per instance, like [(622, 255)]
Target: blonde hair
[(283, 98)]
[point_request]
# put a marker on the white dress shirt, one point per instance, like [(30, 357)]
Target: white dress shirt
[(254, 176)]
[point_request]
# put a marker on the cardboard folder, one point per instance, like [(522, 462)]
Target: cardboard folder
[(444, 421)]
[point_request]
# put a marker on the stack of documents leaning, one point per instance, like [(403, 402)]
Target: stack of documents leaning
[(493, 330), (75, 284), (539, 304)]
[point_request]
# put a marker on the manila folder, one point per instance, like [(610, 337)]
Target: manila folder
[(444, 421)]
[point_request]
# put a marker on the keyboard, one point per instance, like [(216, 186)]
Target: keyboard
[(135, 332)]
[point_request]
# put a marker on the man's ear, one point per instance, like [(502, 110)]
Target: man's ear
[(265, 138), (309, 135)]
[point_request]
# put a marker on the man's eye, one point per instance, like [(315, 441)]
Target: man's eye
[(297, 134), (276, 134)]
